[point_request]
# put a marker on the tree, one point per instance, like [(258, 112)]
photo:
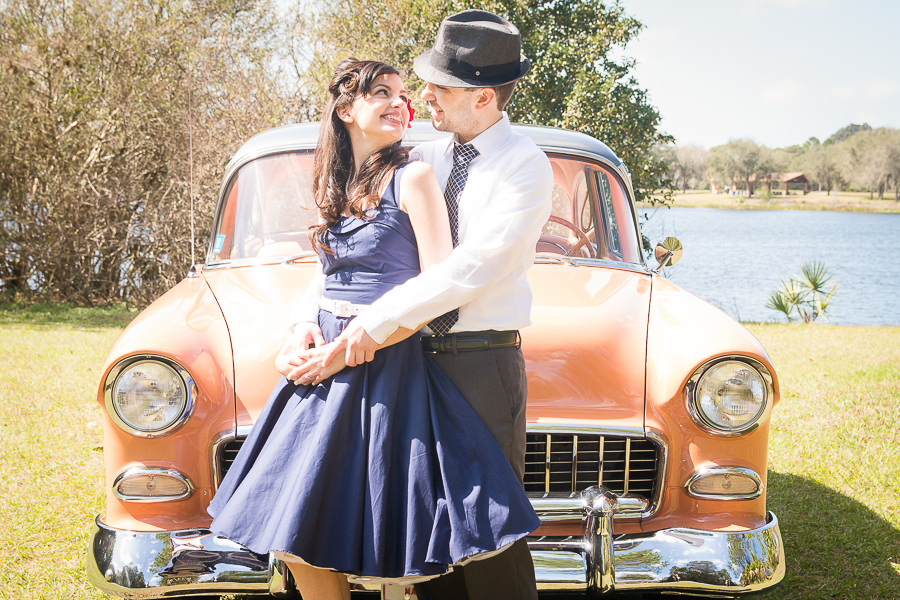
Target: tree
[(120, 115), (688, 165), (742, 160), (575, 82), (845, 133), (872, 160), (821, 163)]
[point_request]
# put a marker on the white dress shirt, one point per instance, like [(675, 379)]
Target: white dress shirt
[(505, 203)]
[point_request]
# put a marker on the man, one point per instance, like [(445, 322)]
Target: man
[(498, 187)]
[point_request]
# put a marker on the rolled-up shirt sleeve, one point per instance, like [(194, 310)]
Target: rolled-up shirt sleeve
[(497, 242)]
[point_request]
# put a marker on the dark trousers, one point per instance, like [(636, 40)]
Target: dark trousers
[(493, 382)]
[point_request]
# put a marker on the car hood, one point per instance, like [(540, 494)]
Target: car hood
[(585, 351), (586, 348)]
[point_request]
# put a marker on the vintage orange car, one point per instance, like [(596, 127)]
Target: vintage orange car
[(648, 409)]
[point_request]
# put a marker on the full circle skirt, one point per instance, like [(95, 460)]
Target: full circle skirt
[(382, 471)]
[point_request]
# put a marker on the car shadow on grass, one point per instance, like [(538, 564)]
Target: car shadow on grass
[(835, 546)]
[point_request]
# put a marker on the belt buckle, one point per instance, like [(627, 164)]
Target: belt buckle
[(436, 344), (342, 308)]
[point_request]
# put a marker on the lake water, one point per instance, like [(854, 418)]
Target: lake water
[(735, 259)]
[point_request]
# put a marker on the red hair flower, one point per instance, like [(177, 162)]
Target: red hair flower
[(412, 112)]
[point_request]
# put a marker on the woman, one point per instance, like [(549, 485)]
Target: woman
[(382, 470)]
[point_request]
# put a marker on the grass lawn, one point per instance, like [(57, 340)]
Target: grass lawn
[(834, 478), (51, 468), (837, 201), (834, 458)]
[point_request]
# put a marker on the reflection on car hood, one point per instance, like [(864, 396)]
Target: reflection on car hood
[(586, 347), (257, 302)]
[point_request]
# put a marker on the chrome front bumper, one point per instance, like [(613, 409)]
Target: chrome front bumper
[(681, 560)]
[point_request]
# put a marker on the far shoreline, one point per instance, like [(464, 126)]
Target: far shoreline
[(836, 201)]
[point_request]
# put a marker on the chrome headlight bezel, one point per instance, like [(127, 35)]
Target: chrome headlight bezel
[(705, 423), (189, 395)]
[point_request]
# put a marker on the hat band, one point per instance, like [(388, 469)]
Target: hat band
[(505, 72)]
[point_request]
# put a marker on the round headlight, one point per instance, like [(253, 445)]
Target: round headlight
[(729, 396), (149, 395)]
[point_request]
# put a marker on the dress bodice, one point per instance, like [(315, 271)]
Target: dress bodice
[(369, 256)]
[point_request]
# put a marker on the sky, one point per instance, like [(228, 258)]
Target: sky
[(775, 71)]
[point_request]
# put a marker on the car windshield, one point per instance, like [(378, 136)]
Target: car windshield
[(268, 209)]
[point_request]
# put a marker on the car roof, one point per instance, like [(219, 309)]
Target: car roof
[(303, 136)]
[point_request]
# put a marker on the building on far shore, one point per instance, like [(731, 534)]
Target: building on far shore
[(786, 181)]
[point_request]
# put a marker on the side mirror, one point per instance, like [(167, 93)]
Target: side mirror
[(668, 252)]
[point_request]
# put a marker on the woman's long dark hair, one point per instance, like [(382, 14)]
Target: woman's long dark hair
[(336, 188)]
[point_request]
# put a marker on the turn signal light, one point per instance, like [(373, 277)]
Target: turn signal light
[(151, 485), (728, 483)]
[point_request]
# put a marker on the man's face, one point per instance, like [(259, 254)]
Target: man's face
[(452, 109)]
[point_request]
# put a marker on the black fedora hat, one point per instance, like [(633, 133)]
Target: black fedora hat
[(473, 48)]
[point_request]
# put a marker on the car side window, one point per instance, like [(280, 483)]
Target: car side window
[(590, 216), (570, 230), (610, 225)]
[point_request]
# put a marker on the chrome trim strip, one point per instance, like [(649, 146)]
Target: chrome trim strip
[(189, 386), (691, 400), (574, 465), (737, 471), (152, 472), (547, 462), (627, 463), (662, 471), (600, 448), (582, 429), (216, 448), (552, 510), (543, 259)]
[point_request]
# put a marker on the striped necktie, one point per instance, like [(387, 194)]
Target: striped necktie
[(462, 156)]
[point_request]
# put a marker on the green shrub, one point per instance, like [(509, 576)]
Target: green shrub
[(804, 297)]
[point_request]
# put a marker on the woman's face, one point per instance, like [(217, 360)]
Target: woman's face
[(382, 115)]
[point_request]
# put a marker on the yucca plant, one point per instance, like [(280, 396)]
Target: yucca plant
[(805, 294)]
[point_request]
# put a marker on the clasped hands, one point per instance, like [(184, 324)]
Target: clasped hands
[(305, 358)]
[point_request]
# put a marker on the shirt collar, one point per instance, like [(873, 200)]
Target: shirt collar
[(489, 140)]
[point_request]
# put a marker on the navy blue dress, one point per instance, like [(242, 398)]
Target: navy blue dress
[(384, 470)]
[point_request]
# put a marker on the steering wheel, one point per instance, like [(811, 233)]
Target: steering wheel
[(583, 240)]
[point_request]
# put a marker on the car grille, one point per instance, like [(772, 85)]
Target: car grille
[(561, 464), (226, 454)]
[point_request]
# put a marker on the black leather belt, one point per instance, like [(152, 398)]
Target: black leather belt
[(471, 341)]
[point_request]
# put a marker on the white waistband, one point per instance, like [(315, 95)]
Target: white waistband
[(341, 308)]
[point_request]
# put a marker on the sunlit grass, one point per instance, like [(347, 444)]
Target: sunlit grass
[(837, 201), (834, 458), (51, 468), (834, 478)]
